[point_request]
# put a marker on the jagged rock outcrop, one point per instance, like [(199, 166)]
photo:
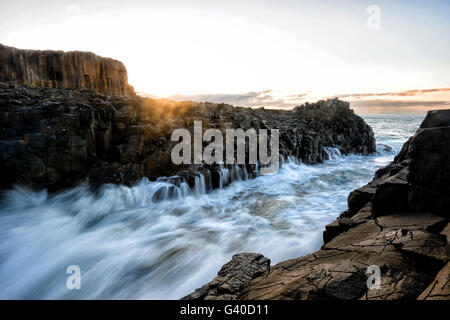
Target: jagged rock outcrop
[(56, 138), (242, 268), (66, 70), (398, 222), (338, 126)]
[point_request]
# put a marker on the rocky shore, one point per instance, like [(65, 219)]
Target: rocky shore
[(398, 222), (71, 117), (53, 137)]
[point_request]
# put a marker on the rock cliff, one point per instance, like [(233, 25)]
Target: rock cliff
[(58, 69), (398, 222), (55, 138), (71, 117)]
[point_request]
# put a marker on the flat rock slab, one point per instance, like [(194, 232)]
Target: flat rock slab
[(409, 220)]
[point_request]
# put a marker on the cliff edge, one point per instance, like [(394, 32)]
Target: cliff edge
[(65, 70)]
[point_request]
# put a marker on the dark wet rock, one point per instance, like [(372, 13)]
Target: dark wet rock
[(418, 179), (344, 130), (346, 221), (436, 118), (389, 170), (391, 194), (56, 138), (358, 198), (429, 170), (387, 148), (398, 222), (241, 269)]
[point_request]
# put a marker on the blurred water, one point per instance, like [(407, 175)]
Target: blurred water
[(128, 246)]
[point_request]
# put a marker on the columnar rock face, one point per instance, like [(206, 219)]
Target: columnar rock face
[(56, 138), (58, 69), (399, 223)]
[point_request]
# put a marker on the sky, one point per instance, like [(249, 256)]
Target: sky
[(381, 56)]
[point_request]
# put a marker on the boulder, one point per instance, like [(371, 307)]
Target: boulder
[(436, 118), (242, 268), (358, 198), (429, 170)]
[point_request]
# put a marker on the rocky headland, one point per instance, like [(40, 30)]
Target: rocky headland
[(55, 135), (65, 70), (398, 222)]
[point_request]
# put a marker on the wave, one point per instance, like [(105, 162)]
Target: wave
[(130, 246), (333, 153)]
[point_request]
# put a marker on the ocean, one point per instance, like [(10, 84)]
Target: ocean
[(129, 247)]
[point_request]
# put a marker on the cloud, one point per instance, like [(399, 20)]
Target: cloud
[(407, 93), (418, 100), (390, 102), (387, 103), (296, 96), (264, 98)]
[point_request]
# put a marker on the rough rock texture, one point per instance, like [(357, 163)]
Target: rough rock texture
[(398, 222), (56, 138), (58, 69), (241, 269), (439, 289)]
